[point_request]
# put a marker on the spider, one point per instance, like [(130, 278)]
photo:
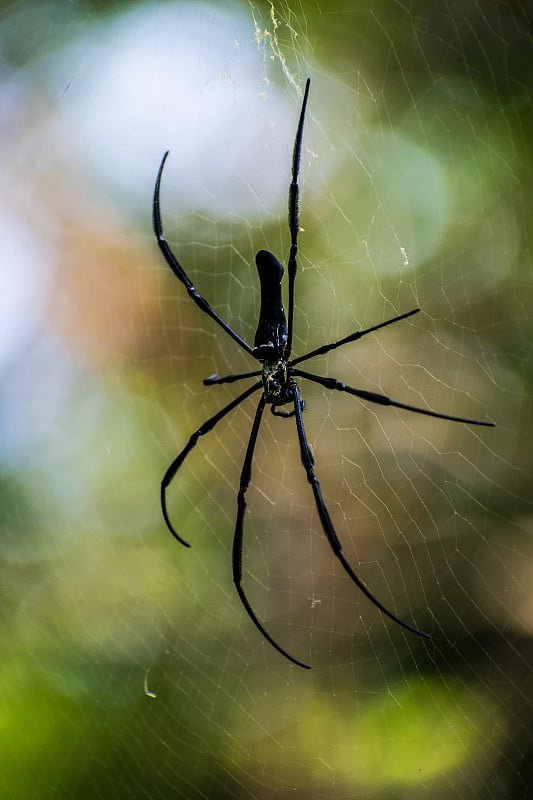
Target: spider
[(278, 385)]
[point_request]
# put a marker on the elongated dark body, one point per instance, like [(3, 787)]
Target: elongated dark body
[(271, 335)]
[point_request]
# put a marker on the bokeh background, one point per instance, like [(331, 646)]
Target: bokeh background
[(129, 668)]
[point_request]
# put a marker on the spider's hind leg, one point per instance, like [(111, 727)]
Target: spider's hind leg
[(327, 525), (193, 439), (246, 475)]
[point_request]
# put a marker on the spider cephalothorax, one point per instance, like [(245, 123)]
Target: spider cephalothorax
[(279, 386), (272, 347)]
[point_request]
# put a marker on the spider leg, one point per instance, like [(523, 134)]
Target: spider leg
[(325, 519), (284, 414), (178, 270), (246, 475), (383, 400), (212, 379), (320, 351), (180, 458), (294, 215)]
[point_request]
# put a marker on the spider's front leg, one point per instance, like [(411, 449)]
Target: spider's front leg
[(178, 270)]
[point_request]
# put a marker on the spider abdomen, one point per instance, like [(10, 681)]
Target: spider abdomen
[(271, 334)]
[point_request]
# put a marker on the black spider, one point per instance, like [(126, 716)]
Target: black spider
[(272, 348)]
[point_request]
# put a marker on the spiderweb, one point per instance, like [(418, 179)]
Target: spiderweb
[(132, 670)]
